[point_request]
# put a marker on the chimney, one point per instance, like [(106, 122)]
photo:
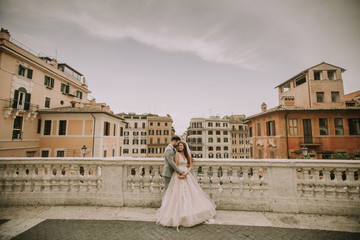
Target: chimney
[(288, 101), (263, 107), (4, 34)]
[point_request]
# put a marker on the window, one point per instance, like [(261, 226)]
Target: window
[(317, 75), (47, 102), (62, 127), (211, 148), (151, 132), (143, 133), (234, 150), (293, 129), (126, 141), (199, 140), (270, 128), (113, 152), (217, 132), (272, 154), (135, 125), (143, 150), (49, 82), (47, 127), (225, 124), (158, 132), (226, 140), (226, 148), (65, 88), (158, 124), (126, 151), (258, 129), (21, 99), (354, 126), (332, 75), (60, 153), (25, 71), (158, 140), (45, 153), (143, 141), (285, 87), (218, 148), (126, 133), (79, 94), (210, 124), (135, 141), (166, 124), (143, 125), (323, 126), (114, 132), (135, 133), (250, 132), (320, 97), (225, 132), (151, 123), (105, 153), (106, 129), (217, 124), (339, 127), (135, 150), (300, 81), (210, 132), (218, 140), (335, 97), (151, 150), (158, 150), (121, 131), (166, 132), (211, 155), (17, 128), (210, 140), (39, 126)]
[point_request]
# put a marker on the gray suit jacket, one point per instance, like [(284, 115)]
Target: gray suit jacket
[(169, 165)]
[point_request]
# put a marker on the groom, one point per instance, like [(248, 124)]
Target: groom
[(170, 165)]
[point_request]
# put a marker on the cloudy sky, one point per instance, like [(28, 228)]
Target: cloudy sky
[(190, 58)]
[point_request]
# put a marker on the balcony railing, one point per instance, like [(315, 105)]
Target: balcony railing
[(305, 186)]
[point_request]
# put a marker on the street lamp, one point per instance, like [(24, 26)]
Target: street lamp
[(304, 151), (83, 150)]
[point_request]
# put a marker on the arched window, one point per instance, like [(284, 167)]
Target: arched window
[(21, 99)]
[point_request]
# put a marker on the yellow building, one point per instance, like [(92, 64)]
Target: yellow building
[(239, 137)]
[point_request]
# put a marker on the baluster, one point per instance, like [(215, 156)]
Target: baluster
[(352, 185), (74, 180), (264, 184), (256, 188), (136, 181), (129, 178), (55, 178), (215, 179), (308, 183), (205, 180), (340, 184), (98, 177), (235, 180), (245, 180), (318, 184), (46, 178), (37, 178), (8, 178), (83, 175), (226, 180), (2, 176), (92, 178), (329, 184), (17, 175), (65, 178), (146, 180), (28, 183), (156, 180)]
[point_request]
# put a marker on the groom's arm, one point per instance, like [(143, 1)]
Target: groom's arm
[(169, 157)]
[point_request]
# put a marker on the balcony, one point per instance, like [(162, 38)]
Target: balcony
[(13, 108), (290, 186)]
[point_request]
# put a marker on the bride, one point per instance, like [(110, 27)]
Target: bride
[(184, 203)]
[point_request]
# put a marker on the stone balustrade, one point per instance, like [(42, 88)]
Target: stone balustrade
[(300, 186)]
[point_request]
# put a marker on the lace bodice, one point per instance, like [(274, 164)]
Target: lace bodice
[(182, 161)]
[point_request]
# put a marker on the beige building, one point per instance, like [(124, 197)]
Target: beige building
[(135, 135), (239, 137), (160, 132), (64, 131), (209, 137), (30, 83)]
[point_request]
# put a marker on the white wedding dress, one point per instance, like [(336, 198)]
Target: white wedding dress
[(184, 203)]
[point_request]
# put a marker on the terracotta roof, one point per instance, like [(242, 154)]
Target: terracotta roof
[(77, 110), (304, 71), (282, 108)]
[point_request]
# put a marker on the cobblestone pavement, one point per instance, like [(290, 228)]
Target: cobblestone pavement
[(118, 229)]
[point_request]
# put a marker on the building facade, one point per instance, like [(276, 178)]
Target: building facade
[(239, 137), (30, 83), (160, 132), (209, 137), (65, 131), (312, 115), (135, 135)]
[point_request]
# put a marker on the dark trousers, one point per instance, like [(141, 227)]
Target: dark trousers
[(167, 181)]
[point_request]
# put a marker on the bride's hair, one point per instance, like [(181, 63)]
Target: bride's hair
[(186, 153)]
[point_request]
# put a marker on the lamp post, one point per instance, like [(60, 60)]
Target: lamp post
[(83, 150), (304, 151)]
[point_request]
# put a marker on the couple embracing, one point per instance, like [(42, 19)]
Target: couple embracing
[(184, 202)]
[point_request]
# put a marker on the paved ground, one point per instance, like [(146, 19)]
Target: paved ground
[(118, 229), (138, 223)]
